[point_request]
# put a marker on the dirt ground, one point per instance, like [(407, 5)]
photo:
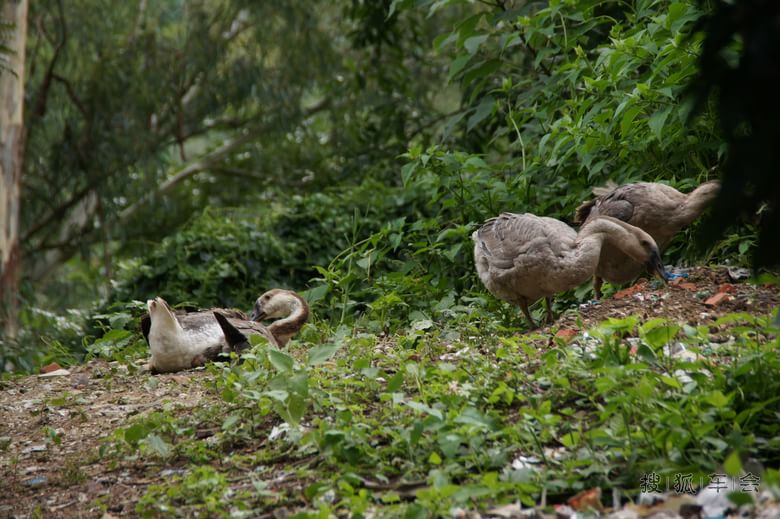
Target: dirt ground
[(52, 425)]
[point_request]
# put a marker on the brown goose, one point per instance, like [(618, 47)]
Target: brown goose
[(523, 257), (182, 341), (658, 209)]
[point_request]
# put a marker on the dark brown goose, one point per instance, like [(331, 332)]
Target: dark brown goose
[(658, 209), (523, 257)]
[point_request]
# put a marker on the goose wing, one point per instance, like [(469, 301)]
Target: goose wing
[(237, 331), (146, 326), (504, 241), (614, 201)]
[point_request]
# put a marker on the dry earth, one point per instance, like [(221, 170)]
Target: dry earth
[(52, 427)]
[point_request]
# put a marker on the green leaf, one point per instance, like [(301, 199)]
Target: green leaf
[(717, 399), (733, 465), (280, 360), (457, 65), (657, 120), (230, 421), (484, 109), (395, 382), (628, 120), (472, 44), (158, 445), (434, 459), (671, 381), (317, 293), (322, 353), (570, 439), (135, 433), (418, 406), (407, 170)]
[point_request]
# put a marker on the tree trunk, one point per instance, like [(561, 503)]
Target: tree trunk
[(11, 153)]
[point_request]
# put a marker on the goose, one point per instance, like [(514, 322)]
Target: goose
[(523, 257), (658, 209), (184, 341)]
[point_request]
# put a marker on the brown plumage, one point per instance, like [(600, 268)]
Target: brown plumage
[(658, 209), (523, 257)]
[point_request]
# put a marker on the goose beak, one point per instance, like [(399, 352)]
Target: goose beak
[(656, 266), (258, 313)]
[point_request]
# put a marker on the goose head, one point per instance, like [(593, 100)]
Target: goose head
[(633, 241), (277, 303), (642, 248)]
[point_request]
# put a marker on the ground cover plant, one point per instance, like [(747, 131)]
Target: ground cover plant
[(460, 413)]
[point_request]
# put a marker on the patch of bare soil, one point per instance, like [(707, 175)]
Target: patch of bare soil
[(51, 427), (699, 296)]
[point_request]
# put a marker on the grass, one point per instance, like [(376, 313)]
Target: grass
[(441, 417)]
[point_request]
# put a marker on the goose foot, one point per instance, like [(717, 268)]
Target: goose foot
[(524, 308), (550, 317)]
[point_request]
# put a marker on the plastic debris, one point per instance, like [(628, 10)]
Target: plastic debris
[(738, 274), (36, 481), (55, 373)]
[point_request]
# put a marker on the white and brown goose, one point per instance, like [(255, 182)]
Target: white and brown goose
[(183, 341), (523, 257), (657, 209)]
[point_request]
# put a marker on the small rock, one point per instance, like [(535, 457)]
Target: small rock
[(35, 448), (511, 510), (650, 498)]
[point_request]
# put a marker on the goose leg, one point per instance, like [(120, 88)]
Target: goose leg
[(597, 282), (524, 307), (548, 302)]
